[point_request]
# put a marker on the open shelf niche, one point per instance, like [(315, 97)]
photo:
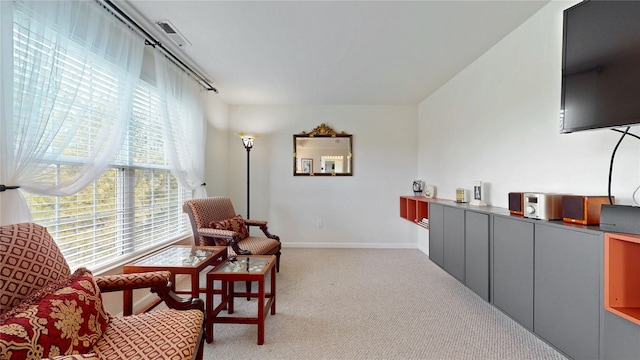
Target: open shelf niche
[(415, 209), (621, 275)]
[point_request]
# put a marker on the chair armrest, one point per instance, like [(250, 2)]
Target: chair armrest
[(229, 237), (157, 281), (251, 222), (108, 283), (217, 233), (263, 227)]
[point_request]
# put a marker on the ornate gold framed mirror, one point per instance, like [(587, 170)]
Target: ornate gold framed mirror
[(322, 152)]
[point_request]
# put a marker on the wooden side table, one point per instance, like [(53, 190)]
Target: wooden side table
[(244, 268), (179, 259)]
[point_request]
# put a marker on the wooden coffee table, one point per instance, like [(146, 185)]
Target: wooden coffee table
[(179, 259), (244, 268)]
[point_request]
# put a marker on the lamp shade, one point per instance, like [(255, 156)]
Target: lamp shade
[(247, 140)]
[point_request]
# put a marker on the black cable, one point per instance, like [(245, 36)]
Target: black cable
[(637, 137), (630, 134), (613, 155)]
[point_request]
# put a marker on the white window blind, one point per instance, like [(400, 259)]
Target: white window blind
[(83, 90)]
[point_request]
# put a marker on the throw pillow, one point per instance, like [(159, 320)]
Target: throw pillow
[(62, 319), (236, 224)]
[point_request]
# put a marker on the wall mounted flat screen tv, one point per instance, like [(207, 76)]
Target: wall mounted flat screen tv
[(600, 66)]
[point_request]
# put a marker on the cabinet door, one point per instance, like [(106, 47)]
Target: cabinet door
[(567, 289), (477, 253), (620, 338), (436, 233), (454, 242), (513, 268)]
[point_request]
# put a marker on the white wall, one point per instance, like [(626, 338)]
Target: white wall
[(497, 121), (217, 146), (356, 211)]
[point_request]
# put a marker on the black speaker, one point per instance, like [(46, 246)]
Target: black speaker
[(516, 203), (583, 210)]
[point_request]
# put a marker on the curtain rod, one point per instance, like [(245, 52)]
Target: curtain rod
[(150, 40)]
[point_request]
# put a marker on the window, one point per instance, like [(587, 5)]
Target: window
[(134, 206)]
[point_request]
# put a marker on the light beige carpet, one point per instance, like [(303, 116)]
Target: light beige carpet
[(374, 304)]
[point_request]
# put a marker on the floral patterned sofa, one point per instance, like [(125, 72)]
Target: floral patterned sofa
[(48, 312)]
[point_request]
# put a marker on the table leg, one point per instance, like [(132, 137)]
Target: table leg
[(273, 292), (208, 308), (195, 285), (261, 311), (127, 302), (225, 293), (232, 296), (212, 312), (172, 279)]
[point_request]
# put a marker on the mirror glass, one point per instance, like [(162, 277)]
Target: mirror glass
[(322, 152)]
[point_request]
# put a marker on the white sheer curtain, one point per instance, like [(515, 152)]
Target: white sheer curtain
[(185, 130), (71, 69)]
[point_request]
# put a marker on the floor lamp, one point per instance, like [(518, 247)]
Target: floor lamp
[(247, 141)]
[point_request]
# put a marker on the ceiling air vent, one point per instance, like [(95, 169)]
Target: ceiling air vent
[(173, 34)]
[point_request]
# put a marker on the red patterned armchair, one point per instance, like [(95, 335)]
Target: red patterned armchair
[(48, 312), (214, 222)]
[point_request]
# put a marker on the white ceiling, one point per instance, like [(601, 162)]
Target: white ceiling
[(331, 52)]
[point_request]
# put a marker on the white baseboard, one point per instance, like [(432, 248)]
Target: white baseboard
[(325, 245)]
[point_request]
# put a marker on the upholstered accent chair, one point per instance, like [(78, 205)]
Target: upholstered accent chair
[(215, 222), (48, 312)]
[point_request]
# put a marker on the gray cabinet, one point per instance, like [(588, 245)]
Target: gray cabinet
[(476, 228), (454, 242), (459, 243), (513, 268), (436, 233), (546, 275), (446, 238), (620, 338), (568, 277)]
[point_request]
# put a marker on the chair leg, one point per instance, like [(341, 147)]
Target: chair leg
[(200, 346), (248, 289)]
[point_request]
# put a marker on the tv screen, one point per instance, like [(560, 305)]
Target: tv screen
[(600, 65)]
